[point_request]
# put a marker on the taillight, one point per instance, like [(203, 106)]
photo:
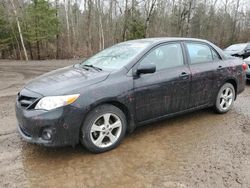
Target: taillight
[(244, 66)]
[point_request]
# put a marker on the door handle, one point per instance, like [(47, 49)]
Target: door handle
[(184, 75), (219, 67)]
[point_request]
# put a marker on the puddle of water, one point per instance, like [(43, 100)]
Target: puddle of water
[(163, 149)]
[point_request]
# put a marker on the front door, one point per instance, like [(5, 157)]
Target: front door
[(167, 90)]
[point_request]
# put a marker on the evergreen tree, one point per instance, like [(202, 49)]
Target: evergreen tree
[(5, 32), (136, 27), (41, 23)]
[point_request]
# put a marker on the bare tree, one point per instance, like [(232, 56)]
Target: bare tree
[(57, 35), (101, 32), (66, 7), (19, 29), (126, 15), (88, 26), (89, 22), (149, 12), (233, 35)]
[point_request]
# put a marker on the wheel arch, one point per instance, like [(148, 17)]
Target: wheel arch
[(234, 83), (124, 108)]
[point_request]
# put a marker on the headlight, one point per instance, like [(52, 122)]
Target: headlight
[(52, 102)]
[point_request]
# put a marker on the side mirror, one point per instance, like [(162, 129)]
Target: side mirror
[(146, 69)]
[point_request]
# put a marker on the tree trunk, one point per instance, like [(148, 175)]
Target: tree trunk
[(18, 45), (110, 35), (37, 41), (30, 49), (190, 5), (57, 35), (73, 38), (101, 33), (66, 6), (19, 30), (14, 49), (150, 12), (89, 38), (125, 21), (38, 50), (233, 35)]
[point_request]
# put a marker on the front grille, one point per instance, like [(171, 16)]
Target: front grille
[(26, 101)]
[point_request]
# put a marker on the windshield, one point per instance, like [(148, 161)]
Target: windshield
[(236, 47), (116, 56), (247, 59)]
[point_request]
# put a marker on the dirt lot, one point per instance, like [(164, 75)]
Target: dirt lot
[(200, 149)]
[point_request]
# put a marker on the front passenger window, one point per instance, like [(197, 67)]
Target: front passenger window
[(165, 56)]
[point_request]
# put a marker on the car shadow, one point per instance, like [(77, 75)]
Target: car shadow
[(171, 124)]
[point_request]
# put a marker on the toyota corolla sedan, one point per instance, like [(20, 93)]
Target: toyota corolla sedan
[(133, 83)]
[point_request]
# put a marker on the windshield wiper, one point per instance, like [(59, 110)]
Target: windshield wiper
[(78, 66), (94, 67)]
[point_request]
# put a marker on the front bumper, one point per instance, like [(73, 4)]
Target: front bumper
[(248, 74), (63, 123), (248, 71)]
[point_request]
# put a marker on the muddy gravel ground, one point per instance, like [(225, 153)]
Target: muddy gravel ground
[(200, 149)]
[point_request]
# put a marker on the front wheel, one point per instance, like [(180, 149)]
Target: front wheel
[(225, 98), (103, 129)]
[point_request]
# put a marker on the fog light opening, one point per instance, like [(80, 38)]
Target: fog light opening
[(47, 134)]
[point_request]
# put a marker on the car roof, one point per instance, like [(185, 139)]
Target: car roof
[(167, 39), (158, 40)]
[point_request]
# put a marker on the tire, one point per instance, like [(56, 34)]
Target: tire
[(104, 128), (225, 98)]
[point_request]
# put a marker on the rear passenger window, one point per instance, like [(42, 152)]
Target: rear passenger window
[(199, 53)]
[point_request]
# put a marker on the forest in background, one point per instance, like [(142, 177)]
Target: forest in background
[(58, 29)]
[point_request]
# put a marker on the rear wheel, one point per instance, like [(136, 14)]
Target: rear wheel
[(225, 98), (103, 129)]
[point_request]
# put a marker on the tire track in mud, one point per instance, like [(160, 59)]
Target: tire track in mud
[(4, 134)]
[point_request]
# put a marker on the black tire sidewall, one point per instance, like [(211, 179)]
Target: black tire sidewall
[(217, 103), (90, 119)]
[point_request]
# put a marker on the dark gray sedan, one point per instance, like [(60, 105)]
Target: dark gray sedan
[(129, 84)]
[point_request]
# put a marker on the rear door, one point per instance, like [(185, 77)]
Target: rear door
[(204, 68), (167, 90)]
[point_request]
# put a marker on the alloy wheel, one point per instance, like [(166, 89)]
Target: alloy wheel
[(226, 98), (106, 130)]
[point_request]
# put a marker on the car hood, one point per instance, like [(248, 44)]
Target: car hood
[(65, 80), (247, 60), (233, 52)]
